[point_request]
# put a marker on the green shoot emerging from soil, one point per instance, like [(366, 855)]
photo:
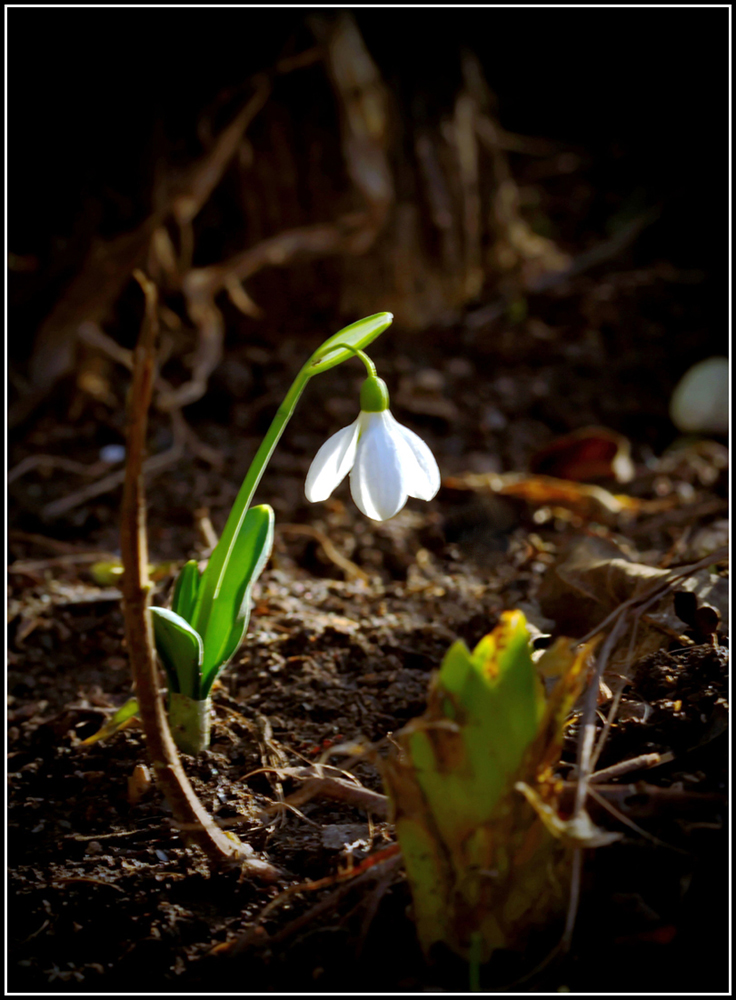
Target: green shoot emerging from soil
[(209, 615), (475, 799)]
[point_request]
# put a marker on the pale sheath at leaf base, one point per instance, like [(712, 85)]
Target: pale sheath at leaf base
[(387, 462)]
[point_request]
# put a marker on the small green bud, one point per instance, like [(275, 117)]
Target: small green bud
[(374, 395)]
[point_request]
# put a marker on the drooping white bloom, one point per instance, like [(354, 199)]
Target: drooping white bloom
[(387, 464)]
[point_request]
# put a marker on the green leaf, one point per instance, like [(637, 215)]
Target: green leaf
[(185, 591), (357, 335), (456, 666), (494, 702), (230, 646), (229, 610), (475, 798), (181, 651)]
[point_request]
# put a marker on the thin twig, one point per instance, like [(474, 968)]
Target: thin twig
[(374, 866), (374, 900), (617, 814), (586, 756), (35, 565), (339, 791), (572, 906), (607, 725), (618, 619), (348, 567), (644, 800), (50, 462), (157, 463), (663, 584), (208, 533), (182, 432), (587, 737), (53, 544), (186, 808), (204, 175), (640, 763)]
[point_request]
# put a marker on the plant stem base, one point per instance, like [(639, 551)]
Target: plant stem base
[(189, 721)]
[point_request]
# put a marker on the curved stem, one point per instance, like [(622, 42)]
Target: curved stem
[(218, 563), (369, 366)]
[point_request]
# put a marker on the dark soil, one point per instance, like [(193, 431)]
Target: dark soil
[(101, 889), (103, 894)]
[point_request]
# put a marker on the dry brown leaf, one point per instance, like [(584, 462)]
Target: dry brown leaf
[(586, 500), (588, 453), (593, 577)]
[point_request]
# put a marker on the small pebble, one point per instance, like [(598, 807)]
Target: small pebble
[(139, 783), (112, 453), (699, 403)]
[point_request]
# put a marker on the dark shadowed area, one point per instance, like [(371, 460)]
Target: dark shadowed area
[(540, 197)]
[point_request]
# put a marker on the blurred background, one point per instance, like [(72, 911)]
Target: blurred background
[(538, 195)]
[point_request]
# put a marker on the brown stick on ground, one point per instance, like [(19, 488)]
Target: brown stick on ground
[(190, 814)]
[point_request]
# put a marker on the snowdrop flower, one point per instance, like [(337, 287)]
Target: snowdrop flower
[(387, 462)]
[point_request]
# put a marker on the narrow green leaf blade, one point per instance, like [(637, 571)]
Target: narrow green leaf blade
[(185, 591), (230, 646), (123, 717), (230, 608), (181, 651), (357, 335)]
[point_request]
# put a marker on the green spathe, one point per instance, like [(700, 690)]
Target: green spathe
[(357, 336)]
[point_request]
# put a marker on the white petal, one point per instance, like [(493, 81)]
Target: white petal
[(377, 480), (332, 463), (422, 482)]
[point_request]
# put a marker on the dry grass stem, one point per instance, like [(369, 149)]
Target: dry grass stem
[(188, 811)]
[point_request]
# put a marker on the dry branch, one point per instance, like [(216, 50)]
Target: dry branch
[(187, 809)]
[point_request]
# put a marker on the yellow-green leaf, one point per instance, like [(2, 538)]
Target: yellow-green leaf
[(124, 716)]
